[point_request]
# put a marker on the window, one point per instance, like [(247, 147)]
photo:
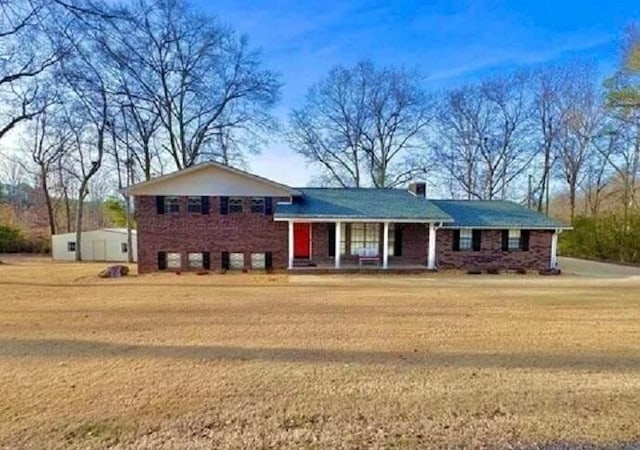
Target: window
[(258, 261), (466, 240), (235, 205), (71, 246), (171, 204), (124, 247), (392, 239), (257, 205), (195, 260), (514, 240), (174, 261), (236, 261), (365, 238), (194, 205)]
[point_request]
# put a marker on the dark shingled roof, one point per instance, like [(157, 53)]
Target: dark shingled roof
[(361, 203), (494, 214)]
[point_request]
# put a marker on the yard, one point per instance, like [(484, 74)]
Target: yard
[(247, 361)]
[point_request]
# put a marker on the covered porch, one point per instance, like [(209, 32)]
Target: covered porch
[(361, 245)]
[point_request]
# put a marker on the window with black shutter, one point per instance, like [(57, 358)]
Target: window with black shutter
[(268, 206), (524, 240), (456, 240), (257, 205), (397, 240), (160, 204), (205, 204), (206, 260), (235, 205), (332, 239), (224, 205), (194, 205), (225, 260), (162, 260), (476, 240)]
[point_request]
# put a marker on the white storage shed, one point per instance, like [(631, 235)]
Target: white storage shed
[(106, 244)]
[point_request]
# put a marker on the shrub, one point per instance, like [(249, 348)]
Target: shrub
[(11, 239)]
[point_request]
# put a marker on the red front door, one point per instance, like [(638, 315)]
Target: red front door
[(301, 241)]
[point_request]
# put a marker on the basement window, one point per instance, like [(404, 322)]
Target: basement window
[(71, 246), (236, 261), (258, 261), (174, 261), (195, 261)]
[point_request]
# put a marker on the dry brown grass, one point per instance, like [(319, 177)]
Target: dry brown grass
[(245, 361)]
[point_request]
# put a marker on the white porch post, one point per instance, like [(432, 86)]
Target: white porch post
[(554, 250), (337, 243), (431, 256), (290, 244), (385, 246)]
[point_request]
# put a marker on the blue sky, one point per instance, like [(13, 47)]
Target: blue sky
[(450, 42)]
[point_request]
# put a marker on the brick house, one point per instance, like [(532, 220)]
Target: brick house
[(213, 217)]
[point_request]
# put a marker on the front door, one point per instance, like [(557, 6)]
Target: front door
[(301, 240)]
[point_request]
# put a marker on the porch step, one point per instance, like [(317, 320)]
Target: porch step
[(303, 263)]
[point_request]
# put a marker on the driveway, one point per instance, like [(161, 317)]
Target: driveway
[(583, 267)]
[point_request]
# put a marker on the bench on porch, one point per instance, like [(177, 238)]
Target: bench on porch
[(368, 255)]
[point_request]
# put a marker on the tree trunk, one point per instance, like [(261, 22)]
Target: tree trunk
[(79, 213), (47, 199)]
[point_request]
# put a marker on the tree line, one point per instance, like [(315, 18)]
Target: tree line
[(104, 95)]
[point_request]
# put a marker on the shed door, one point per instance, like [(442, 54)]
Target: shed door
[(99, 250)]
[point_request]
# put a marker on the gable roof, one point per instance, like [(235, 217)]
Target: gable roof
[(147, 186), (361, 204), (495, 214)]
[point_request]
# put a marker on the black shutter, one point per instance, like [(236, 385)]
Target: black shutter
[(476, 240), (159, 204), (206, 260), (397, 240), (331, 229), (505, 240), (224, 205), (162, 260), (225, 260), (524, 240), (268, 206), (456, 240), (268, 260), (204, 200)]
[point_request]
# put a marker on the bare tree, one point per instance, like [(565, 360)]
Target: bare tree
[(360, 125)]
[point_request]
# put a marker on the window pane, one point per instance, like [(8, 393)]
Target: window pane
[(235, 205), (194, 205), (195, 261), (236, 261), (171, 204), (365, 238), (514, 239), (174, 261), (466, 239), (257, 205), (124, 247), (258, 261), (392, 239), (71, 246)]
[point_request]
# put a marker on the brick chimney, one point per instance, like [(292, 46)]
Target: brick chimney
[(418, 188)]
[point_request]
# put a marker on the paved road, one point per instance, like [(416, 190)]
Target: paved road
[(596, 269)]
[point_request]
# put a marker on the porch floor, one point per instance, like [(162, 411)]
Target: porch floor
[(365, 268)]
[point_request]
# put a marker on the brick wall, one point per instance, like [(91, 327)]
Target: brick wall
[(491, 254), (185, 232)]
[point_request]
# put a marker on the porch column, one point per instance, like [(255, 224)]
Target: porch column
[(554, 250), (337, 243), (431, 255), (385, 246), (290, 244)]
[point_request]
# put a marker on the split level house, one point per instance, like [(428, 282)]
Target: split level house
[(213, 217)]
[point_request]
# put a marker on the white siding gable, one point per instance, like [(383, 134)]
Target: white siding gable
[(210, 179)]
